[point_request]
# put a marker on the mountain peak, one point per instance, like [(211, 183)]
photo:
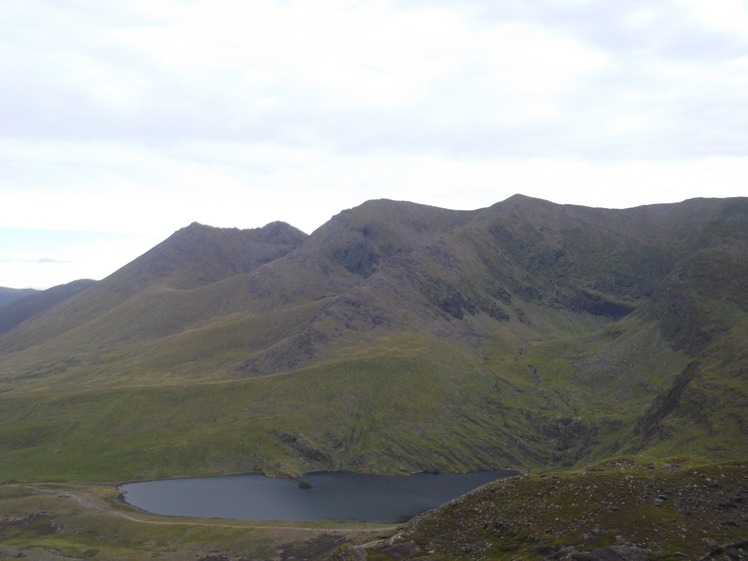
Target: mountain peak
[(281, 231), (199, 254)]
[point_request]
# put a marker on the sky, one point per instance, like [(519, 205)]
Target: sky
[(124, 121)]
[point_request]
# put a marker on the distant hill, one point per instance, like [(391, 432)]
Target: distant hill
[(36, 302), (396, 337), (8, 295)]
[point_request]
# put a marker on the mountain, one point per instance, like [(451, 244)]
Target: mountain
[(156, 294), (9, 295), (35, 302), (396, 337)]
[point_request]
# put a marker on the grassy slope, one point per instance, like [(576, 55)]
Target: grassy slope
[(398, 337), (35, 302), (248, 425), (435, 406)]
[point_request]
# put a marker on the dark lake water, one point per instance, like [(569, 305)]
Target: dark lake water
[(332, 496)]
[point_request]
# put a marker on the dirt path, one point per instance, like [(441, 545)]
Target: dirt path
[(90, 502)]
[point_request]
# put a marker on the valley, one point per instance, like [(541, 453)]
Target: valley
[(397, 338)]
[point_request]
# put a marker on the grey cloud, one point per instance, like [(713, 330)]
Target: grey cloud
[(460, 114), (52, 260), (671, 31), (40, 260)]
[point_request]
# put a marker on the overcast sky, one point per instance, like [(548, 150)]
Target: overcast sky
[(123, 121)]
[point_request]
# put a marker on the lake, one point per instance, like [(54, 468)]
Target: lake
[(332, 495)]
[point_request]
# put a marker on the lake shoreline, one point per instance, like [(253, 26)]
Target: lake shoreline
[(314, 497)]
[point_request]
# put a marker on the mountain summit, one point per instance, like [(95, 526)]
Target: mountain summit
[(397, 336)]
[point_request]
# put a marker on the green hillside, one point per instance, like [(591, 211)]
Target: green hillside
[(397, 337)]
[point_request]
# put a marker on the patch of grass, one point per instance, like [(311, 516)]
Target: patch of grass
[(390, 403), (332, 417)]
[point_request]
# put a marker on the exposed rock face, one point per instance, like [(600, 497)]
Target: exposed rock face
[(310, 455), (570, 437)]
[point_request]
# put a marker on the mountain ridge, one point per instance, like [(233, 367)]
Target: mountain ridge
[(28, 306), (402, 336), (9, 295)]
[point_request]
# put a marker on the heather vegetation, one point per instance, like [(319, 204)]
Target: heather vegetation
[(618, 509)]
